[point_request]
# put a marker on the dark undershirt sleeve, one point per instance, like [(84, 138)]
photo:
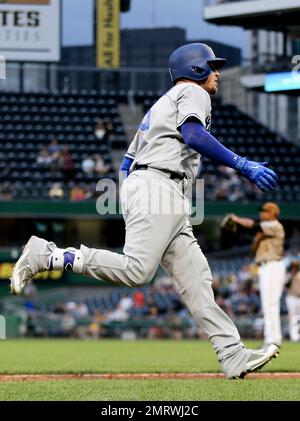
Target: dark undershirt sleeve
[(256, 228)]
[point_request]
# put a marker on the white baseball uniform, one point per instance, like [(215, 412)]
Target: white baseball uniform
[(293, 306), (271, 274)]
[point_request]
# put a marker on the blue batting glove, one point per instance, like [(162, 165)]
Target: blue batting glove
[(258, 173)]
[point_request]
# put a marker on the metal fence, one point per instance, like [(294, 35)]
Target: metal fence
[(29, 77)]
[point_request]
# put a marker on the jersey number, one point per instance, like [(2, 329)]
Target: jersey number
[(146, 122)]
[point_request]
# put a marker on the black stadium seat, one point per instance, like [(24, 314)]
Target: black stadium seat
[(30, 121)]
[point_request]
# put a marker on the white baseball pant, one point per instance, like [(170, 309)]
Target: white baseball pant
[(271, 280), (293, 307)]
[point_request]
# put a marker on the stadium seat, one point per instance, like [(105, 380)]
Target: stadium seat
[(31, 120)]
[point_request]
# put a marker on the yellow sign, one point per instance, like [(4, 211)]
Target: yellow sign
[(6, 271), (108, 33)]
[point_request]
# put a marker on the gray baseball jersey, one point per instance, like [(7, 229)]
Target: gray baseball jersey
[(158, 142)]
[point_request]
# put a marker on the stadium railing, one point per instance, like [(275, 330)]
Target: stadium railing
[(29, 77)]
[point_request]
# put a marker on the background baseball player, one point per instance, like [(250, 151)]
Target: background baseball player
[(163, 155), (268, 249), (293, 300)]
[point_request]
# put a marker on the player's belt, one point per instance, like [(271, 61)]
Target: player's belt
[(173, 175), (263, 262)]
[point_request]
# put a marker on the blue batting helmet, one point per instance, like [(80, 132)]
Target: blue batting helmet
[(193, 61)]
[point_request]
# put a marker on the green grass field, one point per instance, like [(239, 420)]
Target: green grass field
[(70, 356)]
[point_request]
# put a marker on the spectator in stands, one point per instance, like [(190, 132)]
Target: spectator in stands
[(236, 194), (101, 168), (90, 191), (53, 147), (138, 298), (221, 191), (6, 192), (29, 306), (77, 194), (104, 131), (126, 302), (81, 310), (252, 192), (95, 329), (258, 326), (70, 307), (100, 130), (174, 321), (68, 324), (66, 163), (109, 131), (244, 274), (59, 309), (88, 165), (155, 331), (44, 159), (119, 314), (54, 151), (30, 325), (56, 191)]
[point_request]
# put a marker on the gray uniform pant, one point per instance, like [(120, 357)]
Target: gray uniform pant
[(156, 234)]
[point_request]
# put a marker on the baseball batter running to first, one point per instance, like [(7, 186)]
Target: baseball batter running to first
[(165, 153)]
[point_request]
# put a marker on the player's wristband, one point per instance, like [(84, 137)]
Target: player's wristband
[(240, 163), (126, 164)]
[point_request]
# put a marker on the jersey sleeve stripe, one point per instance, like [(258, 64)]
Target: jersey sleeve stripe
[(187, 116), (129, 155)]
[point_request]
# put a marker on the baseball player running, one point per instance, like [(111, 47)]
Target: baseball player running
[(268, 249), (163, 155)]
